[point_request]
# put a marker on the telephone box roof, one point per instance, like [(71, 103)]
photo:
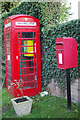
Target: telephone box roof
[(21, 15)]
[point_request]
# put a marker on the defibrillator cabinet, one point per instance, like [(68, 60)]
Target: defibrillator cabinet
[(22, 53)]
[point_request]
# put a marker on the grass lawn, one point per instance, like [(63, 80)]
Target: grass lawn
[(43, 107)]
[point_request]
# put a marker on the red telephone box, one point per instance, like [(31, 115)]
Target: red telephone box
[(66, 51), (22, 53)]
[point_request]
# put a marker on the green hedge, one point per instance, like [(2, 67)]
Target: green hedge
[(49, 67)]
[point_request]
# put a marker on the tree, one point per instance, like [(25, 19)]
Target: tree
[(6, 6)]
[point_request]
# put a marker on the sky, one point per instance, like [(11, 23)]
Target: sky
[(74, 9)]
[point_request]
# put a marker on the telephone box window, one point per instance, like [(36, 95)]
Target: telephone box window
[(36, 70), (20, 64), (27, 50), (8, 43), (8, 63), (27, 71), (20, 71), (19, 42), (9, 83), (8, 50), (8, 56), (24, 64), (26, 34), (9, 77), (19, 50), (27, 42), (9, 70), (34, 34), (35, 63), (18, 34), (7, 36)]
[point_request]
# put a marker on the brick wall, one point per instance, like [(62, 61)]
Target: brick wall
[(56, 91)]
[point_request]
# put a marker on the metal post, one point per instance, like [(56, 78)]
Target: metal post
[(68, 89)]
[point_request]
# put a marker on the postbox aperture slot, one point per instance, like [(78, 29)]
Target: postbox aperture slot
[(59, 43)]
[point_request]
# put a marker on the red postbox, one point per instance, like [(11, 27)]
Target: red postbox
[(66, 50), (22, 53)]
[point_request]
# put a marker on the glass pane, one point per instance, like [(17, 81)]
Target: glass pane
[(27, 42), (28, 57), (31, 63), (9, 83), (9, 63), (8, 57), (20, 64), (24, 64), (26, 34), (20, 71), (28, 71), (8, 43), (35, 49), (9, 70), (35, 56), (30, 85), (19, 50), (36, 70), (7, 36), (24, 71), (35, 42), (35, 63), (28, 64), (8, 50), (24, 78), (34, 34), (29, 78), (19, 57), (9, 77), (19, 42), (27, 50), (18, 34), (35, 77)]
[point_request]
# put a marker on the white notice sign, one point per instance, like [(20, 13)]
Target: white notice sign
[(7, 25), (26, 23), (60, 58), (8, 57)]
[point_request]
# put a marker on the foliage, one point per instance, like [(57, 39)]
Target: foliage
[(6, 6), (53, 107), (17, 86), (49, 68)]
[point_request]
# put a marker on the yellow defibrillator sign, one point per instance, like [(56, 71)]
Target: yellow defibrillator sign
[(28, 49)]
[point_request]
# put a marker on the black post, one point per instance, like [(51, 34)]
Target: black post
[(68, 89)]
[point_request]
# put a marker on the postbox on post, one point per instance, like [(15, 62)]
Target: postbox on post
[(22, 53), (66, 50), (67, 57)]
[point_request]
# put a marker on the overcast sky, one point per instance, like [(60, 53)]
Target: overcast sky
[(74, 9)]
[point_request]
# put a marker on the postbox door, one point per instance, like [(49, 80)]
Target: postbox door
[(27, 59), (60, 58)]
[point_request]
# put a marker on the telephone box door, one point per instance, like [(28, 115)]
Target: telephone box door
[(28, 59)]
